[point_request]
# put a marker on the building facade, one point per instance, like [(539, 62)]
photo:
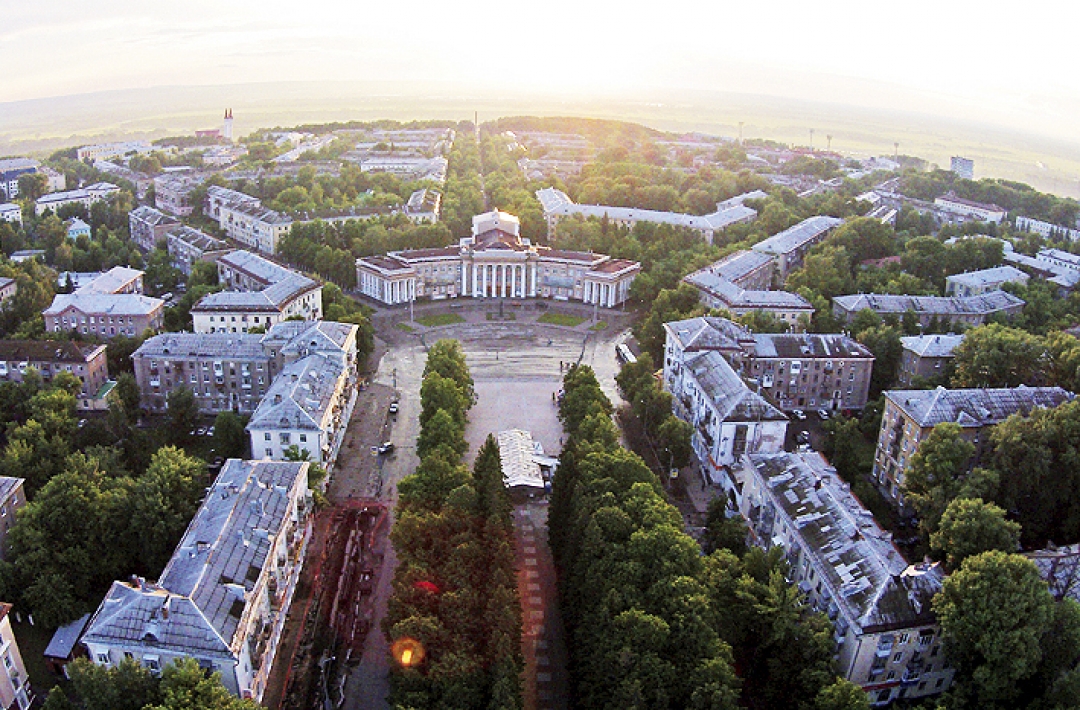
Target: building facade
[(970, 210), (888, 641), (173, 192), (977, 283), (87, 361), (11, 212), (149, 226), (117, 280), (224, 596), (910, 416), (717, 292), (8, 288), (188, 246), (969, 310), (244, 219), (789, 247), (964, 167), (85, 197), (12, 500), (15, 691), (926, 357), (1046, 229), (11, 169), (104, 151), (496, 262), (105, 315)]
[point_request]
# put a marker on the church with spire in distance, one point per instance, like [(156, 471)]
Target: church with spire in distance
[(495, 261)]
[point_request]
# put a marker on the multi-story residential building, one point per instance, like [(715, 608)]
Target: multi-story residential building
[(789, 247), (717, 292), (496, 262), (187, 246), (976, 283), (54, 181), (224, 596), (27, 254), (11, 212), (173, 192), (87, 361), (85, 197), (413, 167), (910, 415), (15, 689), (557, 205), (104, 151), (231, 372), (8, 288), (148, 226), (964, 167), (77, 228), (12, 499), (748, 269), (1046, 229), (218, 197), (261, 294), (888, 639), (105, 315), (729, 418), (926, 357), (968, 209), (117, 280), (141, 181), (244, 219), (11, 169), (424, 206), (969, 310)]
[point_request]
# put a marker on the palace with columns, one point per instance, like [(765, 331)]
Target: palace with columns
[(496, 262)]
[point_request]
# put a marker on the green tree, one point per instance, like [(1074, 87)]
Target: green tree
[(842, 695), (57, 700), (230, 436), (183, 414), (161, 503), (826, 270), (935, 474), (673, 436), (884, 342), (723, 532), (970, 527), (441, 430), (438, 393), (186, 686), (994, 612), (127, 394), (447, 359), (127, 686), (998, 356)]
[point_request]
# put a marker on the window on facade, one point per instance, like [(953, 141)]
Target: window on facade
[(266, 436)]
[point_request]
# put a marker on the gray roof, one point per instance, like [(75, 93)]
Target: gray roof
[(256, 267), (300, 337), (195, 607), (146, 213), (932, 345), (738, 265), (974, 407), (557, 202), (63, 641), (708, 333), (867, 577), (17, 164), (225, 194), (989, 277), (734, 400), (112, 280), (196, 239), (300, 396), (984, 304), (263, 214), (232, 346), (735, 297), (113, 304), (809, 345), (9, 485), (80, 194), (801, 234)]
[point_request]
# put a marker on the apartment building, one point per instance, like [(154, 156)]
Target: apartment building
[(224, 596), (8, 288), (969, 209), (244, 219), (11, 212), (888, 641), (969, 310), (814, 370), (910, 415), (87, 361), (977, 283), (424, 206), (1047, 230), (149, 226), (789, 247), (11, 169), (173, 192), (105, 315), (117, 280), (926, 356), (188, 246), (105, 151), (260, 294), (715, 291), (12, 499), (15, 689), (86, 197)]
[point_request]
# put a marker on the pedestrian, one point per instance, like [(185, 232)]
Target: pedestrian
[(552, 396)]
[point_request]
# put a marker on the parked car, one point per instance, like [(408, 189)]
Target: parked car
[(798, 414), (386, 447), (393, 409), (823, 414), (803, 437)]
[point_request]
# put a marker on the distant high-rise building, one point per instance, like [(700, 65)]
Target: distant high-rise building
[(964, 167)]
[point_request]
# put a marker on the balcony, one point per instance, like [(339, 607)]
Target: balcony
[(884, 650)]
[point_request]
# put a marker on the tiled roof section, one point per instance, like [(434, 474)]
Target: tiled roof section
[(112, 280), (224, 194), (735, 297), (974, 407), (52, 350), (498, 239), (734, 400), (296, 337), (199, 240), (708, 333), (151, 216), (798, 236), (987, 277), (809, 345), (255, 267), (8, 486), (516, 453), (231, 346), (386, 263), (932, 345), (987, 303), (300, 396), (1060, 567), (738, 265), (120, 304), (583, 256), (868, 579), (990, 207)]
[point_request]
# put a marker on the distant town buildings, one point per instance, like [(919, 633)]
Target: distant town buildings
[(85, 197), (977, 283), (910, 415), (10, 212), (970, 310), (964, 167), (12, 499), (789, 247), (1060, 268), (173, 192), (888, 640), (424, 206), (557, 205), (105, 315), (11, 169), (496, 262), (926, 357), (1046, 229), (141, 181), (259, 294), (968, 209), (224, 596), (105, 151), (86, 361), (148, 226)]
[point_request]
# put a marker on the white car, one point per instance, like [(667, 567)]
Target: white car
[(823, 414), (798, 414)]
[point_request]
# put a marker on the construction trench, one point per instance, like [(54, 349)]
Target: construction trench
[(337, 582)]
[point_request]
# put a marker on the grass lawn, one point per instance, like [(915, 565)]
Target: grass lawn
[(404, 326), (561, 319), (440, 319), (32, 641), (600, 325)]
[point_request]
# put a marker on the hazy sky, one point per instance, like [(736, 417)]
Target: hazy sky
[(1011, 62)]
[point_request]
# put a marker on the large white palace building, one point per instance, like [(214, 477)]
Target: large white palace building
[(496, 262)]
